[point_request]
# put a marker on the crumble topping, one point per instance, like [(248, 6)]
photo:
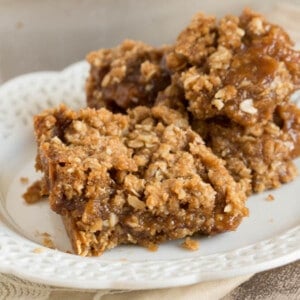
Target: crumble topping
[(247, 106), (241, 68), (140, 178), (128, 75), (257, 157)]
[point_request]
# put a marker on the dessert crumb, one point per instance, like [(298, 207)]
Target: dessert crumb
[(152, 247), (38, 250), (270, 197), (47, 240), (190, 244), (33, 193)]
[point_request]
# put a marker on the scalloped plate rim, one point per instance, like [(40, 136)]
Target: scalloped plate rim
[(148, 284)]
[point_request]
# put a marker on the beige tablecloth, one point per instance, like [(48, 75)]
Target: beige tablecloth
[(13, 288), (278, 284)]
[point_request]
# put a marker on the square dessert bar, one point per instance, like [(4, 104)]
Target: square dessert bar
[(140, 178), (237, 76), (240, 68), (231, 78), (128, 75), (258, 156)]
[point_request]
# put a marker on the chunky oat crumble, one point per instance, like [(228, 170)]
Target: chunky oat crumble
[(175, 137), (140, 178), (129, 75)]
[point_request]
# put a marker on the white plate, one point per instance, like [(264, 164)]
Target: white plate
[(268, 238)]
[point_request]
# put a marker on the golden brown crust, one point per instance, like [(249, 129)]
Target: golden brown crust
[(241, 68), (140, 178)]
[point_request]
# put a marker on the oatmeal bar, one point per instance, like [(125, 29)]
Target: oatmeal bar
[(237, 76), (126, 76), (241, 68), (140, 178), (259, 157)]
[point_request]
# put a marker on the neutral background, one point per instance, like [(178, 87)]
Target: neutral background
[(51, 34)]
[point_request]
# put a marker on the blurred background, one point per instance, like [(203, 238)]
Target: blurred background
[(50, 34)]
